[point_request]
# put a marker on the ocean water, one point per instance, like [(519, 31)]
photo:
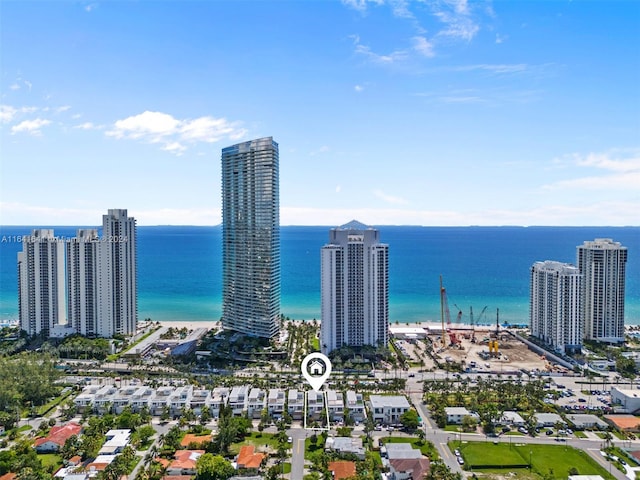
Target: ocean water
[(179, 269)]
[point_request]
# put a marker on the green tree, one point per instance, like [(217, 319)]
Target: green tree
[(213, 467), (410, 420)]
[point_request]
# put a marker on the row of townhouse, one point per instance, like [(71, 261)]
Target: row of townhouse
[(241, 399)]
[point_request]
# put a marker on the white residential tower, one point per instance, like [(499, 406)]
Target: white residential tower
[(355, 288)]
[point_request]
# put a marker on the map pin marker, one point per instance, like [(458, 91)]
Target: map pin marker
[(316, 368)]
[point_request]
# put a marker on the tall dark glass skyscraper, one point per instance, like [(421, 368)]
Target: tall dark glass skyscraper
[(251, 238)]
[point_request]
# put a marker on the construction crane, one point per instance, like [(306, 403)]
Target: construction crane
[(446, 314), (473, 325)]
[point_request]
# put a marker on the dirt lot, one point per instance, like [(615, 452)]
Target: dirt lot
[(512, 354)]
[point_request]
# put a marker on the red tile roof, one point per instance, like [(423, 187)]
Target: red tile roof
[(191, 438), (248, 458), (186, 459), (418, 467), (626, 422), (8, 476), (342, 469), (60, 434)]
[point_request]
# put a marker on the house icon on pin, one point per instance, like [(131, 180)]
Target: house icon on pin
[(316, 368)]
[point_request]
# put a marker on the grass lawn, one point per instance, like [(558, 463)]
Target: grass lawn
[(580, 434), (44, 409), (453, 428), (310, 448), (376, 458), (258, 440), (427, 448), (286, 467), (618, 434), (546, 460), (50, 459)]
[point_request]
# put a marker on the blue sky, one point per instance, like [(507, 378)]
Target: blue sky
[(446, 112)]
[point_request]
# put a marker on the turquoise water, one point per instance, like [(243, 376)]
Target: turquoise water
[(180, 274)]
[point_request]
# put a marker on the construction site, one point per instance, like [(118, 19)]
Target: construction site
[(472, 346)]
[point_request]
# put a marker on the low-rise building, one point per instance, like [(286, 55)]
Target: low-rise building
[(342, 469), (159, 401), (512, 418), (295, 404), (409, 468), (219, 396), (57, 437), (184, 462), (116, 441), (355, 406), (238, 399), (200, 400), (335, 405), (548, 419), (248, 458), (180, 399), (256, 402), (315, 404), (628, 399), (103, 399), (398, 451), (387, 409), (350, 445), (275, 402), (456, 414), (582, 421)]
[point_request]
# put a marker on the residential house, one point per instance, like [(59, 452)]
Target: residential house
[(275, 402), (315, 404), (141, 397), (116, 441), (295, 404), (456, 414), (57, 437), (219, 396), (582, 421), (160, 400), (85, 399), (335, 405), (409, 468), (351, 445), (256, 403), (238, 399), (387, 409), (200, 400), (249, 458), (184, 462), (103, 399), (355, 406), (342, 469), (548, 419), (512, 418), (180, 400)]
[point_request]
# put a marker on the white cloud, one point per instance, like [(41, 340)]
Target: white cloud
[(338, 188), (358, 88), (361, 5), (380, 59), (7, 113), (458, 20), (88, 126), (14, 86), (621, 171), (31, 127), (389, 198), (91, 7), (63, 108), (501, 38), (158, 127), (423, 46)]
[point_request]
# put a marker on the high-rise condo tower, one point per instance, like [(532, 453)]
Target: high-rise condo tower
[(603, 264), (251, 238), (41, 283), (555, 311), (355, 288), (117, 275)]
